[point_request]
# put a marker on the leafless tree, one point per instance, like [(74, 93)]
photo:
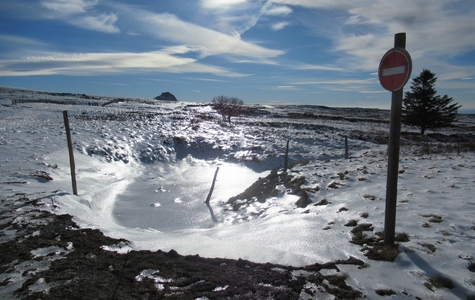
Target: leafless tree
[(227, 106)]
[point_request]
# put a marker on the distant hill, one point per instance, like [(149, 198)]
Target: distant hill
[(167, 96)]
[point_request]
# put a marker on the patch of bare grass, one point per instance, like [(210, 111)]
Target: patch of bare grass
[(401, 237), (382, 252), (373, 245), (322, 202), (471, 266), (369, 197), (439, 282), (359, 237), (434, 218), (385, 292), (431, 247)]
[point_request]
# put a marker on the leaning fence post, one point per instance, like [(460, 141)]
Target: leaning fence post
[(212, 186), (286, 162), (71, 155)]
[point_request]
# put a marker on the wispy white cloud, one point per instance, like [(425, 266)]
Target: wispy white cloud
[(335, 82), (206, 79), (222, 4), (103, 23), (19, 40), (206, 42), (232, 17), (368, 26), (275, 10), (236, 17), (316, 67), (189, 43), (361, 86), (319, 3), (280, 25), (286, 87), (80, 13), (68, 7), (107, 63)]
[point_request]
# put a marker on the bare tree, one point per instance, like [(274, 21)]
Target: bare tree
[(227, 106)]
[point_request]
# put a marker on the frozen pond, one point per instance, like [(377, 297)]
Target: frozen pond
[(170, 197)]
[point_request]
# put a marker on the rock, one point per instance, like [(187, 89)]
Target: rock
[(166, 96)]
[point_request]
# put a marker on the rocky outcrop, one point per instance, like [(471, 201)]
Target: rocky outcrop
[(166, 96)]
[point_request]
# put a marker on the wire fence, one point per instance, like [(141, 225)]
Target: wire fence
[(428, 148)]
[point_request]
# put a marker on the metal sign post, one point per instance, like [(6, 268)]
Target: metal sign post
[(394, 71)]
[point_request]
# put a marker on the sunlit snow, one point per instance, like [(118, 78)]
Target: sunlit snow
[(144, 172)]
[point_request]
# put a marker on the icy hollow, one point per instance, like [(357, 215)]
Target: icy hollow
[(171, 196)]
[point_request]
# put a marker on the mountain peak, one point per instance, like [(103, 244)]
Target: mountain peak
[(167, 96)]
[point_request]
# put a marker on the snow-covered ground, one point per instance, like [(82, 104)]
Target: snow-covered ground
[(144, 171)]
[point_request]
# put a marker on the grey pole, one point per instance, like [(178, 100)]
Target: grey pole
[(393, 155)]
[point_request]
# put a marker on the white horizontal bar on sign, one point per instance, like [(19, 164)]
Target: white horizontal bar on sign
[(393, 71)]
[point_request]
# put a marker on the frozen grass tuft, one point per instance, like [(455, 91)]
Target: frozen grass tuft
[(439, 282), (471, 266), (402, 237), (351, 223), (385, 292)]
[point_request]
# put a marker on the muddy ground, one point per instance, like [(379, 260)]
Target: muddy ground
[(47, 256)]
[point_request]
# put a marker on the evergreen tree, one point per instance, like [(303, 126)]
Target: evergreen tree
[(423, 108)]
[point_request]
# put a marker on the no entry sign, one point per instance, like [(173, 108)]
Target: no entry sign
[(395, 69)]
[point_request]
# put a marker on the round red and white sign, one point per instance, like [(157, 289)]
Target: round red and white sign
[(395, 69)]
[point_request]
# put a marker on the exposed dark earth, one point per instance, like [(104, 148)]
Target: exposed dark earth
[(79, 268)]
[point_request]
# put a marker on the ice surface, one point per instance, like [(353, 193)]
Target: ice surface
[(177, 194)]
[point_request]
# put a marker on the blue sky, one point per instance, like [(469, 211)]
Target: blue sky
[(322, 52)]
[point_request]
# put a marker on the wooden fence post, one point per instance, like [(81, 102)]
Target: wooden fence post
[(212, 186), (286, 162), (346, 147), (71, 155)]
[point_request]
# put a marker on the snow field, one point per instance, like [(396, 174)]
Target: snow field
[(132, 159)]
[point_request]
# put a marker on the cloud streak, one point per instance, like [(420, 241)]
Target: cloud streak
[(80, 13), (189, 44), (68, 7), (108, 63), (206, 41), (368, 28), (280, 25), (307, 46)]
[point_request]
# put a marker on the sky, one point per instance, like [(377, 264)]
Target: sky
[(318, 52)]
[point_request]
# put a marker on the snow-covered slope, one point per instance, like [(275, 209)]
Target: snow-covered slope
[(144, 170)]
